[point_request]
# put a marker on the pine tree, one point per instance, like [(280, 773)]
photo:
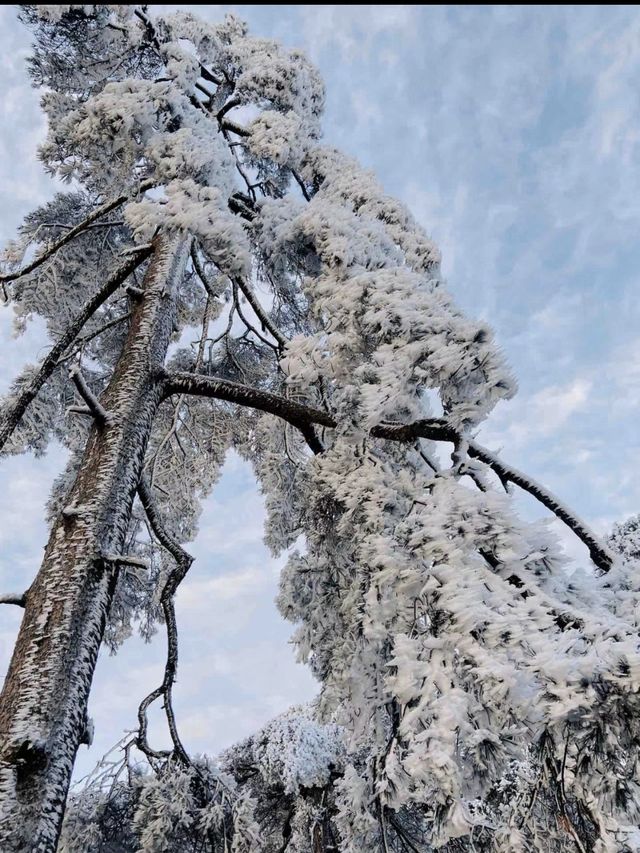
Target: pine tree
[(474, 695)]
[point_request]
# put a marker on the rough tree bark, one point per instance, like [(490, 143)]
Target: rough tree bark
[(43, 703)]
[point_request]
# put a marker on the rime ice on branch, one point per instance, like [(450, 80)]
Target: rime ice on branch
[(216, 278)]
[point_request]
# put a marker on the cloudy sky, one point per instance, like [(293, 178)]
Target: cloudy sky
[(513, 133)]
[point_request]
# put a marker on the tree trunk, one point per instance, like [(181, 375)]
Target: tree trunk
[(43, 704)]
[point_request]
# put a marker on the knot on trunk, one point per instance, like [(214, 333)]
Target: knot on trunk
[(27, 756)]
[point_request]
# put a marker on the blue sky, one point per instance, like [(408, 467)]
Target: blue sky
[(513, 133)]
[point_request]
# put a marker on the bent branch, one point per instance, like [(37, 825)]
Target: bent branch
[(600, 554), (297, 414), (183, 562), (434, 429)]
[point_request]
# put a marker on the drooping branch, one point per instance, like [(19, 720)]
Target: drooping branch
[(105, 208), (11, 417), (438, 429), (183, 562), (600, 554), (434, 429)]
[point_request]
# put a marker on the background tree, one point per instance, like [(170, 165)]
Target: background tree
[(472, 696)]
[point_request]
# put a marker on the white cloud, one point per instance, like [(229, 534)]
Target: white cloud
[(538, 416)]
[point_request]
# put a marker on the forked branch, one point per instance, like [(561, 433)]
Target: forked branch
[(267, 323)]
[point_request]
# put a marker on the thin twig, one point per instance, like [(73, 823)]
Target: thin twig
[(247, 323), (89, 337)]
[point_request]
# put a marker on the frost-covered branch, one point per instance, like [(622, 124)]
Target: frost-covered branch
[(241, 204), (600, 554), (434, 429), (11, 417), (236, 128), (73, 232), (19, 599), (141, 13), (298, 415), (440, 430), (97, 410)]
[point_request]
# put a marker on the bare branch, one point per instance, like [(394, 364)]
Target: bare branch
[(11, 417), (247, 323), (204, 278), (183, 562), (172, 432), (301, 184), (258, 310), (230, 105), (249, 295)]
